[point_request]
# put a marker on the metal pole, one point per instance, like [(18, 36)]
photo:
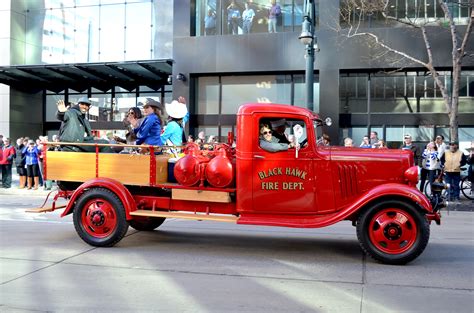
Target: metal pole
[(369, 108), (309, 75)]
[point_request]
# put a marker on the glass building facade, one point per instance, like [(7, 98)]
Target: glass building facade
[(83, 31)]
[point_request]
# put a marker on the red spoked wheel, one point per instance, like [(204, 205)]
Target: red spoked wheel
[(393, 232), (99, 217)]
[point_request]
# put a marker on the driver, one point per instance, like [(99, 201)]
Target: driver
[(271, 143)]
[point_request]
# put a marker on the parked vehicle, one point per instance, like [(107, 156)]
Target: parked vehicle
[(313, 186)]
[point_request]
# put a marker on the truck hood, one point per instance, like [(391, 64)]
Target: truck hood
[(358, 170), (403, 157)]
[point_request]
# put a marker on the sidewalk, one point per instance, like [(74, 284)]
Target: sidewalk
[(14, 190), (465, 205)]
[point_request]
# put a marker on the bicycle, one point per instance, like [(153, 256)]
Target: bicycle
[(464, 185)]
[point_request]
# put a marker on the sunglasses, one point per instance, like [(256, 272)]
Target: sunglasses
[(131, 113), (267, 132)]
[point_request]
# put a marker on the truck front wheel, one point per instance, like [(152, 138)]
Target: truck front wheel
[(99, 217), (393, 232), (146, 223)]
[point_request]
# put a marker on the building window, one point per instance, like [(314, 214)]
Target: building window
[(218, 17), (412, 11), (409, 92)]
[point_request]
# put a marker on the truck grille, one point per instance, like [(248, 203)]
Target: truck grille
[(348, 180)]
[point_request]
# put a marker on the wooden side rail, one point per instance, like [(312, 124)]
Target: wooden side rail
[(188, 216), (84, 144)]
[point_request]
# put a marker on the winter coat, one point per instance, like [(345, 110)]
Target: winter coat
[(75, 127), (149, 131), (273, 146), (8, 154), (32, 156), (20, 158)]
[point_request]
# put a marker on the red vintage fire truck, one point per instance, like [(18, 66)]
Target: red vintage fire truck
[(313, 186)]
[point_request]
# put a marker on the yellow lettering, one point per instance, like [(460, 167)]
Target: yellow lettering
[(269, 185), (261, 175), (292, 186)]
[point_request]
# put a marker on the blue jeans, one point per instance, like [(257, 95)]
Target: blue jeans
[(453, 179)]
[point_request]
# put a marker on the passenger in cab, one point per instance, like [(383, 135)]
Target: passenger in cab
[(178, 116), (279, 128), (270, 143), (149, 131)]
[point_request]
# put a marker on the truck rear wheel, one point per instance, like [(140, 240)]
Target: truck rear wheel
[(146, 223), (99, 217), (393, 232)]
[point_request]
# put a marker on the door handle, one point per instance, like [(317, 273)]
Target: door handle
[(259, 156)]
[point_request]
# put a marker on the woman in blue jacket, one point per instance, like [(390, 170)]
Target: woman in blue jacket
[(32, 153), (149, 131)]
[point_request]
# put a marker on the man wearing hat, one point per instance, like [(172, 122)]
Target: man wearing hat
[(409, 145), (452, 160), (174, 131), (75, 127), (279, 127)]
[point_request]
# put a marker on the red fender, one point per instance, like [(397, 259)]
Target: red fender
[(393, 189), (116, 187)]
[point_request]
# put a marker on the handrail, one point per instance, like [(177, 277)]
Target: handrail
[(60, 143)]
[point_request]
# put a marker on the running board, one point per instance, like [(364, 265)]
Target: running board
[(188, 216), (44, 210)]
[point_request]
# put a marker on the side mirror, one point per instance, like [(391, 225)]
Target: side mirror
[(326, 122)]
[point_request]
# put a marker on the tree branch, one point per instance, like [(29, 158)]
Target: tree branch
[(385, 46)]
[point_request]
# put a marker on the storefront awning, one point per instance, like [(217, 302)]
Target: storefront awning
[(103, 76)]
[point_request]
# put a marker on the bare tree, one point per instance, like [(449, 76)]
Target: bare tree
[(355, 12)]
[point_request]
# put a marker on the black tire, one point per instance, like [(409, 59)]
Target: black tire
[(146, 223), (393, 232), (466, 188), (427, 189), (99, 217)]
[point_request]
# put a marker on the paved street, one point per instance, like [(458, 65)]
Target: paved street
[(189, 266)]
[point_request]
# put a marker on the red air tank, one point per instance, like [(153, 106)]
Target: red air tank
[(220, 170), (188, 171)]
